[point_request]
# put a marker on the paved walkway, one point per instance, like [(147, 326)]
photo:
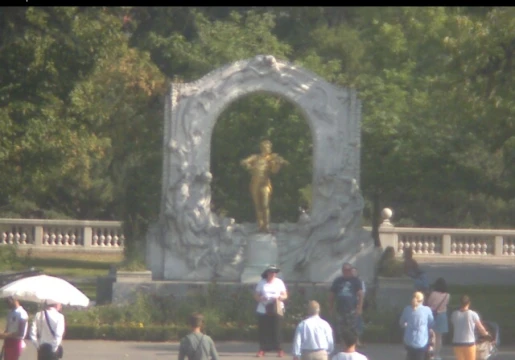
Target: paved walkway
[(111, 350)]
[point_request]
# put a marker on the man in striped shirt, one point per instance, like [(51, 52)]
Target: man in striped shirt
[(313, 338)]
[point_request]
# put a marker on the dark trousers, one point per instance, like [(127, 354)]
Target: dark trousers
[(270, 334), (345, 321), (416, 354), (45, 352)]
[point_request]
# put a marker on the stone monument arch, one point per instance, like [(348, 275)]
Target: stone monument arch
[(191, 242)]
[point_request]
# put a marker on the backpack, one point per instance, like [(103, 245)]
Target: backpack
[(197, 352)]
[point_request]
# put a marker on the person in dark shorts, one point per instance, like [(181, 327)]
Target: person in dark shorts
[(346, 297)]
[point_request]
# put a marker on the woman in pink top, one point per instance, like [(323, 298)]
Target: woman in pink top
[(438, 301)]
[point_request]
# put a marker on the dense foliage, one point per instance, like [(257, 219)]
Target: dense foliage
[(81, 107), (229, 314)]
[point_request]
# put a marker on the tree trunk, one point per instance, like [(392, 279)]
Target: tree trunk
[(376, 218)]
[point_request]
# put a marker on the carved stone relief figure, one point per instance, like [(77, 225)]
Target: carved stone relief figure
[(321, 105), (338, 219)]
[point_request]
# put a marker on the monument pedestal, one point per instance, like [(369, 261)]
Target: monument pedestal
[(261, 251)]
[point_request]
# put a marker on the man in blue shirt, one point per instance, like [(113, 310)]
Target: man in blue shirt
[(347, 293), (313, 338)]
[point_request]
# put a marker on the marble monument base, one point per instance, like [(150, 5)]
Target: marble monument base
[(285, 247), (261, 251)]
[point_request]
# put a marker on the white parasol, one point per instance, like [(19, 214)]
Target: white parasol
[(45, 289)]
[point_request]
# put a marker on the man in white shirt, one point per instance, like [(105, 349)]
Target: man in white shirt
[(313, 338), (15, 331), (47, 332), (350, 340)]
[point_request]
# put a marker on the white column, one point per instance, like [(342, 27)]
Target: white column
[(446, 244), (87, 237), (38, 235), (498, 245)]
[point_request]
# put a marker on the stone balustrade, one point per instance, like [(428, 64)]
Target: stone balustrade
[(469, 243), (108, 236), (62, 234)]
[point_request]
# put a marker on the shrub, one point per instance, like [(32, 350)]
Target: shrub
[(132, 264), (389, 266), (231, 316), (221, 309), (383, 326), (9, 259)]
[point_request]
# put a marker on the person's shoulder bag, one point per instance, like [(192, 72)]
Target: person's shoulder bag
[(275, 308), (59, 351), (435, 311)]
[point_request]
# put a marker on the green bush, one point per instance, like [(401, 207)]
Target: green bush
[(218, 307), (389, 266), (9, 259), (132, 264), (231, 316), (382, 326), (227, 315)]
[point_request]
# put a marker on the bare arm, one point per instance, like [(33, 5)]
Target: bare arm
[(359, 308), (481, 328), (283, 296), (18, 333)]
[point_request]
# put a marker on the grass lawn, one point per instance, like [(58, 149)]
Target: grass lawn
[(78, 268), (83, 265)]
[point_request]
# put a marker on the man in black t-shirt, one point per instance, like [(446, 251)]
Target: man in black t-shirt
[(347, 296)]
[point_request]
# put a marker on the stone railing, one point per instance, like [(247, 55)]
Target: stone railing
[(469, 243), (62, 234)]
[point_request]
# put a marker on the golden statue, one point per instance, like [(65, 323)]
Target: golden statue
[(261, 166)]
